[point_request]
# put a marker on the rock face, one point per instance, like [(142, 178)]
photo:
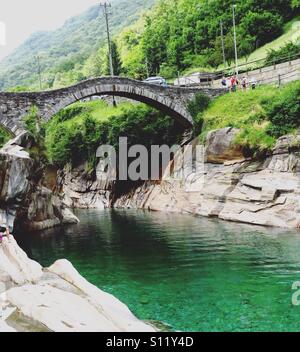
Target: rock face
[(227, 185), (56, 299), (220, 147), (83, 190), (23, 198), (263, 192)]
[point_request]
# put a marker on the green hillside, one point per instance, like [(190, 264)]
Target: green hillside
[(63, 52), (291, 34), (258, 58), (174, 36), (180, 35)]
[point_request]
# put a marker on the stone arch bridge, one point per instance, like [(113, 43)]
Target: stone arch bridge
[(171, 100)]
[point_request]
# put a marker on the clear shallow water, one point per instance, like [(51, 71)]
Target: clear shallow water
[(194, 274)]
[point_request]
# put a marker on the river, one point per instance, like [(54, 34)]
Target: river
[(191, 273)]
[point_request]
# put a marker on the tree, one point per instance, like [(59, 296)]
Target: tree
[(37, 130), (246, 46), (262, 26), (295, 4), (116, 60), (290, 50), (229, 48), (93, 67)]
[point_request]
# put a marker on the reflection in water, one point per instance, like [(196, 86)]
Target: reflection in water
[(194, 274)]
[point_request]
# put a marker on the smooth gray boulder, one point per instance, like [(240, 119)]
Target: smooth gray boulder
[(220, 146), (56, 299)]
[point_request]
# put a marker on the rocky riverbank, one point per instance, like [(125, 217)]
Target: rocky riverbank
[(25, 200), (33, 298), (36, 299), (231, 186), (263, 191)]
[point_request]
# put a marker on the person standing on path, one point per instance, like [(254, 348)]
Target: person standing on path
[(244, 83), (233, 83)]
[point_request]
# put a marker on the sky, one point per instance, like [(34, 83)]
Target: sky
[(20, 18)]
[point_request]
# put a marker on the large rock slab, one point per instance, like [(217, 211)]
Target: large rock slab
[(58, 310), (110, 307), (57, 299), (16, 265), (15, 169)]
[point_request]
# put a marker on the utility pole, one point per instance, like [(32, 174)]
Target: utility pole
[(223, 44), (235, 40), (105, 5)]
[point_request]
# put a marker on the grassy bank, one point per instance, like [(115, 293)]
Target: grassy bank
[(74, 116), (262, 115)]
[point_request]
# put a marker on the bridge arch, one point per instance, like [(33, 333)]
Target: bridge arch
[(171, 100), (161, 98)]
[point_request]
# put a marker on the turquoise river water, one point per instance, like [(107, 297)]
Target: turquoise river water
[(192, 274)]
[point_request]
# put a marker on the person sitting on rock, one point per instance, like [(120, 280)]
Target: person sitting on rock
[(4, 232)]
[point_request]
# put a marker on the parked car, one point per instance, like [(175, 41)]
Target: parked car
[(157, 80)]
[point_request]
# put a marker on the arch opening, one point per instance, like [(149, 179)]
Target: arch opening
[(181, 119)]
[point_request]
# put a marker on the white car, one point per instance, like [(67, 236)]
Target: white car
[(157, 80)]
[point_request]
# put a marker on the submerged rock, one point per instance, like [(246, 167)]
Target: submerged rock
[(56, 299)]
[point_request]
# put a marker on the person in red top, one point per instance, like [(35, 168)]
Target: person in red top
[(233, 83)]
